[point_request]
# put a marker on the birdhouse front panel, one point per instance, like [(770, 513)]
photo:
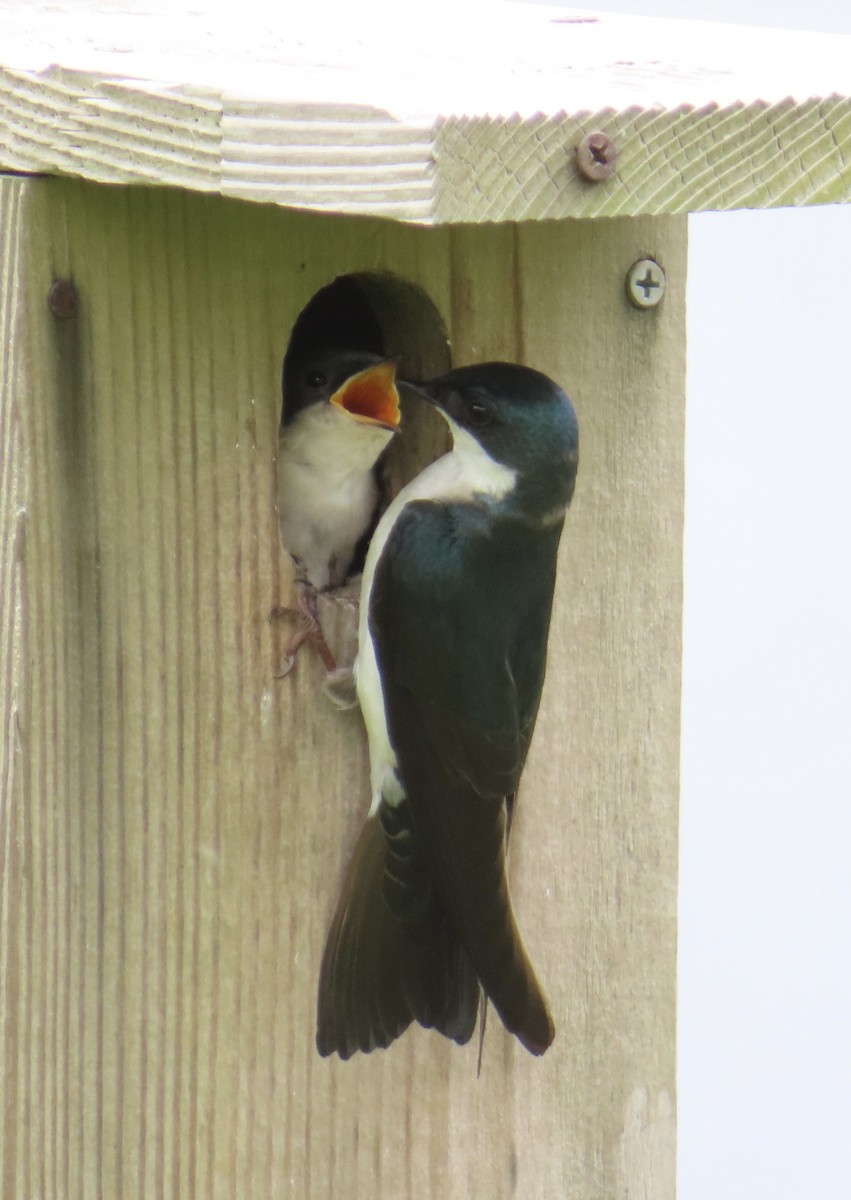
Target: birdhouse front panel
[(180, 806)]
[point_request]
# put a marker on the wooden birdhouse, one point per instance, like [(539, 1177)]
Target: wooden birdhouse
[(181, 192)]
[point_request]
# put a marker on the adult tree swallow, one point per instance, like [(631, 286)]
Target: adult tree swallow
[(341, 409), (455, 611)]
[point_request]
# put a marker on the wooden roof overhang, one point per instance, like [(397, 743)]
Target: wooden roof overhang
[(464, 114)]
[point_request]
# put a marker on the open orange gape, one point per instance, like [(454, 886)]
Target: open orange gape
[(371, 396)]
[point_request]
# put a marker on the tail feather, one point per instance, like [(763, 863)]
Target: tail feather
[(390, 956), (503, 964), (472, 880), (440, 983), (362, 1003)]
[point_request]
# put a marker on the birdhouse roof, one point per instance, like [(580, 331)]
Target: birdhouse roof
[(438, 114)]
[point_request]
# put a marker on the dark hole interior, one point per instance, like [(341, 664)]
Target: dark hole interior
[(340, 316), (386, 315)]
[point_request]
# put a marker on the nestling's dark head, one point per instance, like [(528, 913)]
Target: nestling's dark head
[(319, 376), (519, 417)]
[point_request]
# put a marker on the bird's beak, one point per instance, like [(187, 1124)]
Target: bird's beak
[(370, 397), (425, 391), (418, 388)]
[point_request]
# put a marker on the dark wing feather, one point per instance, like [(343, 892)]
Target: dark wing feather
[(459, 616)]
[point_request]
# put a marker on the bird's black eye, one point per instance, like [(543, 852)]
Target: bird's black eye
[(315, 379), (478, 414)]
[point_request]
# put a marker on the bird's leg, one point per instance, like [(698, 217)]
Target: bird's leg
[(308, 612), (309, 607)]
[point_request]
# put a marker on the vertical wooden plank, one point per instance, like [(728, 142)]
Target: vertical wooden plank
[(595, 836), (184, 814), (13, 474), (486, 325), (605, 765)]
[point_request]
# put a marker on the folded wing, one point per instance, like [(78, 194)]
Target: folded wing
[(460, 620)]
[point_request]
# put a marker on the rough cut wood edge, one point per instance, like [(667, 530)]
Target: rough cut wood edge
[(360, 160), (69, 123), (679, 161), (346, 160)]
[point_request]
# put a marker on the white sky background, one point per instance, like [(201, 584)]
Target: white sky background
[(765, 862), (765, 880)]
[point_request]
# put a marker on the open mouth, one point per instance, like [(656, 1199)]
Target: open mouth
[(371, 396)]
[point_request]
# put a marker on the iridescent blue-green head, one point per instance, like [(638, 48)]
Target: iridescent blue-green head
[(522, 420)]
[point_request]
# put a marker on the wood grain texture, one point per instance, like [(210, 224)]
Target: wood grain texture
[(14, 471), (757, 155), (368, 111), (175, 818)]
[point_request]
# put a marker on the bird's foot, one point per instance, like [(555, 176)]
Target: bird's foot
[(307, 612)]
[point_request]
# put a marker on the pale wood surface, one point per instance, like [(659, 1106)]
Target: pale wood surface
[(460, 113), (174, 817)]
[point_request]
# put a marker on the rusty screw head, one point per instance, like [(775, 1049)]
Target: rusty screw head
[(63, 299), (596, 156)]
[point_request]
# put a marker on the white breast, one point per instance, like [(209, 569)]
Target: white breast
[(326, 490), (465, 473)]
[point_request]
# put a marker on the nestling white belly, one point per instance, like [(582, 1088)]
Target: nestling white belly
[(326, 489)]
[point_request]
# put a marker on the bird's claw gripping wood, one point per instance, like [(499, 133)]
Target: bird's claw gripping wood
[(307, 612)]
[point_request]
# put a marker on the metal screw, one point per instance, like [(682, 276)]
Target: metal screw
[(645, 283), (63, 299), (596, 156)]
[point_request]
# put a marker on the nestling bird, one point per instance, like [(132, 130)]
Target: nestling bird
[(455, 611), (341, 409)]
